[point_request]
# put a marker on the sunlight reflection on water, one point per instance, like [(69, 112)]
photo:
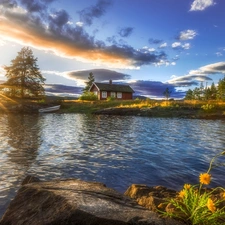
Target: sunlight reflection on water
[(117, 151)]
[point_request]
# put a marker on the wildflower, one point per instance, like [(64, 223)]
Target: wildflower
[(224, 194), (187, 186), (181, 194), (160, 205), (211, 205), (205, 178)]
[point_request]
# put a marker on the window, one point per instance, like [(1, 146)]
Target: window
[(104, 94), (113, 94), (119, 94), (96, 93)]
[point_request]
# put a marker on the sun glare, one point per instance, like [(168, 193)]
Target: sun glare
[(3, 102)]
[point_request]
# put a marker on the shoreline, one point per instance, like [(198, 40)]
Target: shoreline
[(154, 109)]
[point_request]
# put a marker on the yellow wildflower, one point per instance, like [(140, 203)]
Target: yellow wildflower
[(224, 194), (205, 178), (211, 205), (187, 186), (181, 194)]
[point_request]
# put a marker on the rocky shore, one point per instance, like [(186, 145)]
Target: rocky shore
[(77, 202), (165, 112)]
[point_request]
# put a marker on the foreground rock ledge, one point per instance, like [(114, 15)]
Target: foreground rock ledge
[(76, 202)]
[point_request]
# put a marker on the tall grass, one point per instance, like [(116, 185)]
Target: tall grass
[(91, 106)]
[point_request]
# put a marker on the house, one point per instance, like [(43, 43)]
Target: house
[(117, 91)]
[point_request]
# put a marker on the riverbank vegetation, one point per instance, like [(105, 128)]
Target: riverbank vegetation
[(160, 108), (196, 205), (199, 106)]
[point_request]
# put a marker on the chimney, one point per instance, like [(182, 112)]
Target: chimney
[(110, 81)]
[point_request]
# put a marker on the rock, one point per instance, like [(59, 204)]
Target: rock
[(30, 179), (76, 202), (150, 197)]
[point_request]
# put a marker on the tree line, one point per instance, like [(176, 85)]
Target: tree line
[(212, 92)]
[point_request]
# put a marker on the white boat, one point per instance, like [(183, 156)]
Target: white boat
[(49, 109)]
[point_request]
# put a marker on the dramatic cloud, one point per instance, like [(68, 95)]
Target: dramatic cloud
[(188, 80), (215, 68), (33, 6), (96, 11), (199, 5), (58, 19), (62, 89), (199, 75), (187, 35), (152, 89), (125, 32), (53, 31), (99, 74), (155, 89)]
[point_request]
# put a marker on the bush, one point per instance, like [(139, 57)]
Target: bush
[(208, 107), (89, 96), (109, 99)]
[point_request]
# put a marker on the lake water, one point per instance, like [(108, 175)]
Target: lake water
[(117, 151)]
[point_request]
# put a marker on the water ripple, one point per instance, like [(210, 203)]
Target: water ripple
[(117, 151)]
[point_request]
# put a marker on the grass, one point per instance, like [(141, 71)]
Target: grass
[(200, 107), (159, 107)]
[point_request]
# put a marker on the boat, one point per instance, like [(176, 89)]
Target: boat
[(49, 109)]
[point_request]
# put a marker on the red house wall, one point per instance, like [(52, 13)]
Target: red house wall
[(125, 95)]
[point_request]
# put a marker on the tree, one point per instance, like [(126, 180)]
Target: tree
[(91, 79), (167, 93), (213, 91), (189, 95), (24, 76), (221, 89), (197, 93)]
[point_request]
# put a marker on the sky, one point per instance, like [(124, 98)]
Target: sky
[(150, 45)]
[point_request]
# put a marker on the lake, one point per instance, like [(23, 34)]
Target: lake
[(117, 151)]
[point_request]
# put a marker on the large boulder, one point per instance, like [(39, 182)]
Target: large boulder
[(76, 202)]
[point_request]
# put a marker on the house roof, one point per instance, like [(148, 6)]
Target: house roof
[(113, 87)]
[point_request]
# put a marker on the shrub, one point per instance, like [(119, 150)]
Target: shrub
[(89, 96), (208, 107), (109, 99)]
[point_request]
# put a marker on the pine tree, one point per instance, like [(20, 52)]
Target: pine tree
[(189, 95), (24, 78), (213, 91), (167, 93), (221, 89), (91, 79)]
